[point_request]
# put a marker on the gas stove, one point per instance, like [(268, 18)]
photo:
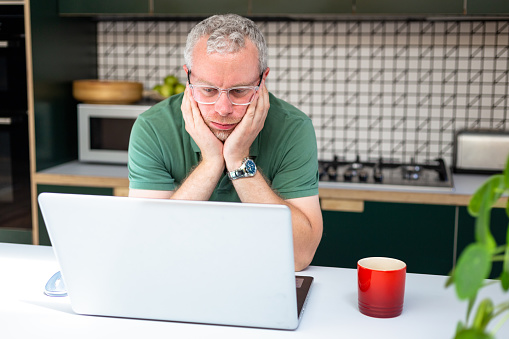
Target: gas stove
[(431, 175)]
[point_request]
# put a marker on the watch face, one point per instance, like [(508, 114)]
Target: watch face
[(250, 167)]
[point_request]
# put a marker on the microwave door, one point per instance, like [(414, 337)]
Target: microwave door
[(104, 131)]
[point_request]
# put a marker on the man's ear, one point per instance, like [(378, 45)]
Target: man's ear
[(266, 73)]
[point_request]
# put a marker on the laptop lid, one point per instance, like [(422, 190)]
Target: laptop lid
[(202, 262)]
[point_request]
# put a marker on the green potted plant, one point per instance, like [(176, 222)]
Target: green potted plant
[(475, 263)]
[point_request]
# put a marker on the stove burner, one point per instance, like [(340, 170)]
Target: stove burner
[(386, 172), (356, 169), (332, 172), (412, 171), (363, 176)]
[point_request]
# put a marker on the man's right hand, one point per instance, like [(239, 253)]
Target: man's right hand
[(210, 146)]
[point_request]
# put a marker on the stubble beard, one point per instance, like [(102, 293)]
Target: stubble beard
[(221, 135)]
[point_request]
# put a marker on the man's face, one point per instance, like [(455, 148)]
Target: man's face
[(224, 71)]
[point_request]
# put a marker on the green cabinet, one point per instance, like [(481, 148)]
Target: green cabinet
[(420, 235), (88, 7), (63, 49), (466, 232), (282, 7), (301, 7), (490, 7), (170, 7), (16, 236), (201, 7), (409, 7), (43, 233)]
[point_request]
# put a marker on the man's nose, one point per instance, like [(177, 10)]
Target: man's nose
[(223, 105)]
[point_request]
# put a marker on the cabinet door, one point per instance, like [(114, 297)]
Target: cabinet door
[(301, 7), (466, 232), (420, 235), (43, 233), (487, 7), (200, 7), (409, 7), (103, 7)]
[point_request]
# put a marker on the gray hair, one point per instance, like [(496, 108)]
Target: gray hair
[(226, 35)]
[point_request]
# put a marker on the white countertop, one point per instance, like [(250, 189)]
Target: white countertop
[(430, 310), (464, 184)]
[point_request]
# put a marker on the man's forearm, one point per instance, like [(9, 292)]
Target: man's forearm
[(201, 182), (307, 231)]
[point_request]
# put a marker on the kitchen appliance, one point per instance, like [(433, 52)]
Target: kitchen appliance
[(104, 130), (15, 210), (13, 83), (432, 175), (480, 151)]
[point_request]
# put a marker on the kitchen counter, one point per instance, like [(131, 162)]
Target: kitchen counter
[(341, 197), (430, 310), (334, 196), (77, 173)]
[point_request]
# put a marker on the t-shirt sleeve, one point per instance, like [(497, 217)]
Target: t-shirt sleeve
[(298, 173), (147, 168)]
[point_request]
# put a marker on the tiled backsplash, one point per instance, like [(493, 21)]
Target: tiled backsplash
[(396, 89)]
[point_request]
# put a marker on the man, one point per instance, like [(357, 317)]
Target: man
[(226, 138)]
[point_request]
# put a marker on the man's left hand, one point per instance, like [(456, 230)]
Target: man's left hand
[(236, 146)]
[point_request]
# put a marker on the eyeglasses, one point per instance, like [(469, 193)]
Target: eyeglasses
[(240, 95)]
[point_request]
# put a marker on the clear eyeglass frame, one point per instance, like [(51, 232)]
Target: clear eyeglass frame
[(221, 90)]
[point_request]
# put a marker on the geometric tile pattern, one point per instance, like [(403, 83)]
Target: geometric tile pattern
[(393, 89)]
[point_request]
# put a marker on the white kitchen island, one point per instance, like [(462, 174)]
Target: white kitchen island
[(430, 310)]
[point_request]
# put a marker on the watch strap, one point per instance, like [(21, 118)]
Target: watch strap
[(241, 171)]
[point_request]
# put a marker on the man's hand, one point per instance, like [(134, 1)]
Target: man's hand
[(236, 147), (210, 146)]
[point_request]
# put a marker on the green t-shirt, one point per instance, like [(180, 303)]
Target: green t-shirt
[(162, 153)]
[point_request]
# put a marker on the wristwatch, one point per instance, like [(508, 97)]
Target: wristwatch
[(246, 169)]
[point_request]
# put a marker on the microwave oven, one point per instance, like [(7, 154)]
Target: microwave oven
[(104, 130)]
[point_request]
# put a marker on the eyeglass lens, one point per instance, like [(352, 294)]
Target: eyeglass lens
[(237, 95)]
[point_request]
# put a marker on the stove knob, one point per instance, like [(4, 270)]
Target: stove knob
[(348, 175), (377, 175), (363, 176)]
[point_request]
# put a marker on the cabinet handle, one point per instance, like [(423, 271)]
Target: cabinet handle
[(5, 121)]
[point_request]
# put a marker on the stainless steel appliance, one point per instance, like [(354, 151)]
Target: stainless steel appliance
[(481, 151), (15, 211), (104, 130), (431, 175)]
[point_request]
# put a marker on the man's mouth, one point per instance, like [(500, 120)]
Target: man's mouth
[(223, 127)]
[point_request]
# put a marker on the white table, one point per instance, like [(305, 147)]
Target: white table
[(430, 310)]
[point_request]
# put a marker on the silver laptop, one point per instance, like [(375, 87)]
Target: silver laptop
[(186, 261)]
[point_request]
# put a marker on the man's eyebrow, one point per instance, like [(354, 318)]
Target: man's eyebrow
[(201, 81)]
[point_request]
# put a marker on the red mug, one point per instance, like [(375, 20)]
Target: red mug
[(381, 286)]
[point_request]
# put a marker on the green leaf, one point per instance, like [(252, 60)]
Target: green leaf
[(450, 280), (474, 265), (472, 334), (505, 267), (489, 193), (505, 280), (484, 314), (471, 303), (460, 327), (482, 228), (506, 173)]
